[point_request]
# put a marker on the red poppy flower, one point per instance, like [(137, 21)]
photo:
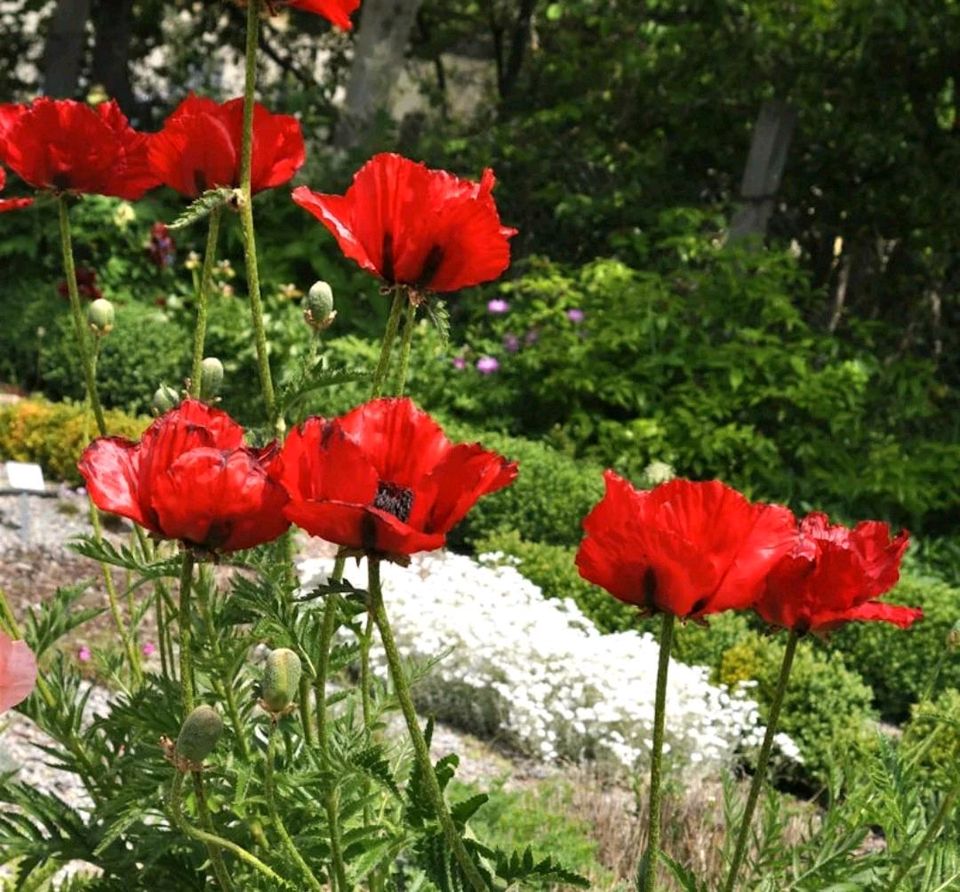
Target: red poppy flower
[(415, 226), (199, 147), (683, 548), (337, 12), (384, 479), (18, 672), (68, 146), (11, 204), (833, 575), (189, 478)]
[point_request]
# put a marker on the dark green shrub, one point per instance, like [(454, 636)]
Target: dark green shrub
[(932, 738), (144, 349), (898, 664)]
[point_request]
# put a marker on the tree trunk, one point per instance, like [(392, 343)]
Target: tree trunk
[(377, 53), (111, 54), (63, 52)]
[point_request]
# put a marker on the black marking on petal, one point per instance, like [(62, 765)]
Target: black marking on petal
[(61, 181), (650, 589), (200, 181), (386, 265), (431, 264), (368, 533), (699, 604)]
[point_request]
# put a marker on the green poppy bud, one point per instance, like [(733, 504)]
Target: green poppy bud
[(211, 378), (281, 679), (100, 315), (164, 399), (318, 306), (199, 735)]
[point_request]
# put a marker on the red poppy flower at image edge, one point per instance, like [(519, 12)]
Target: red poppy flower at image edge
[(684, 548), (18, 672), (11, 204), (384, 479), (833, 575), (337, 12), (69, 146), (199, 147), (189, 478), (415, 226)]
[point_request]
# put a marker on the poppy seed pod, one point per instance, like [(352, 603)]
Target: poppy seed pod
[(211, 378), (198, 735), (164, 399), (281, 679), (101, 316), (318, 306)]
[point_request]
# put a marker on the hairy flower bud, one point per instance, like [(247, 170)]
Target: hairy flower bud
[(318, 306), (211, 378), (281, 679), (100, 315), (198, 735), (164, 399)]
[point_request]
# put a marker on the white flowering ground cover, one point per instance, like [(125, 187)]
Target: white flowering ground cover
[(537, 673)]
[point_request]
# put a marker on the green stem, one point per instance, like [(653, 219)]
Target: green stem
[(389, 336), (365, 679), (133, 655), (203, 295), (185, 621), (271, 791), (224, 687), (246, 216), (454, 841), (323, 664), (647, 882), (79, 323), (216, 858), (409, 318), (305, 719), (762, 760), (175, 804), (945, 808)]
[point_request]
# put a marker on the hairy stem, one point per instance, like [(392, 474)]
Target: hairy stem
[(79, 323), (270, 789), (175, 804), (386, 346), (648, 878), (216, 857), (203, 295), (186, 643), (470, 870), (409, 319), (762, 760), (246, 217)]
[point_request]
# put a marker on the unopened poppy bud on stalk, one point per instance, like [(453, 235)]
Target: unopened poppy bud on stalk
[(281, 680), (211, 378), (198, 736), (164, 399), (101, 315), (318, 306)]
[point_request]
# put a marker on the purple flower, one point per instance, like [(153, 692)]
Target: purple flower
[(531, 337), (148, 649), (487, 365), (498, 306), (83, 653), (459, 363), (511, 343), (575, 316)]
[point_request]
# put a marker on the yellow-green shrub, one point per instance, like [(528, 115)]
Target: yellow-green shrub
[(54, 434)]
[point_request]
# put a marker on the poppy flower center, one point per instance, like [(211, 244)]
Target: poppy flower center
[(394, 499)]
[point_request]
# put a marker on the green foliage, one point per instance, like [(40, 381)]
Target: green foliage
[(932, 739), (54, 434), (900, 664)]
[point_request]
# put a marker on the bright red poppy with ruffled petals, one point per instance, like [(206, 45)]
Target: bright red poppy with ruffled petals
[(199, 147), (68, 146), (337, 12), (384, 479), (11, 204), (832, 575), (684, 548), (414, 226), (18, 672), (189, 478)]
